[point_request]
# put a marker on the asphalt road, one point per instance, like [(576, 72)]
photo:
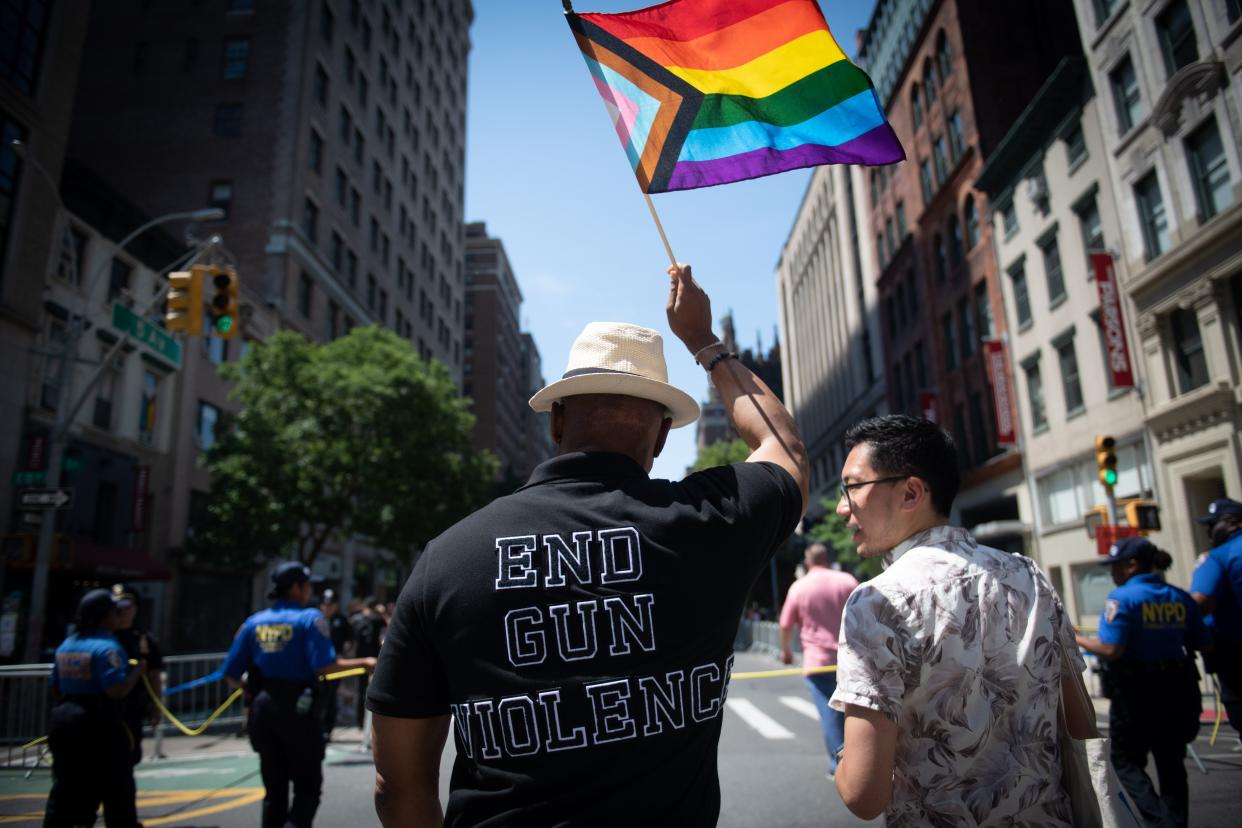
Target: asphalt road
[(771, 760)]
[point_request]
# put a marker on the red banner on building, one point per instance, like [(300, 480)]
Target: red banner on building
[(1119, 371), (142, 477), (927, 405), (994, 356), (1107, 535)]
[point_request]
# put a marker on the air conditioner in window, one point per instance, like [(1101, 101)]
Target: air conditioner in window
[(1037, 189)]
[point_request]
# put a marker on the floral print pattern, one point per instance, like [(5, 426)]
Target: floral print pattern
[(957, 643)]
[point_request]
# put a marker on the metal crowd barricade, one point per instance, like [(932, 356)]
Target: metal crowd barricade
[(25, 705), (193, 690), (762, 636)]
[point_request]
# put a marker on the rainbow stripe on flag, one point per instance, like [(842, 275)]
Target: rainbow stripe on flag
[(706, 92)]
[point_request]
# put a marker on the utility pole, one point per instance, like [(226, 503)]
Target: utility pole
[(65, 412)]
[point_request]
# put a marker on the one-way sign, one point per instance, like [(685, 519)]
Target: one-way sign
[(44, 498)]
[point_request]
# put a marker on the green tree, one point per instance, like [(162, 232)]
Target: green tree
[(356, 437), (721, 453), (831, 529)]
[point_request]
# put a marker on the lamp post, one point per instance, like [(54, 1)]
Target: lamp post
[(58, 438)]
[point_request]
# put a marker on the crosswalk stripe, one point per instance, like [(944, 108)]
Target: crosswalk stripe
[(801, 705), (767, 727)]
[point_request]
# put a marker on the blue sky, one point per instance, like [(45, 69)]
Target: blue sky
[(544, 169)]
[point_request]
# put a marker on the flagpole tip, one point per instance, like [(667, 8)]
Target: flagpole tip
[(569, 6)]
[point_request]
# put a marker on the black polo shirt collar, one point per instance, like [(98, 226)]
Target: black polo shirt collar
[(580, 465)]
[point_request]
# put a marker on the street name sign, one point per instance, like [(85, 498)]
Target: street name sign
[(124, 319), (44, 498)]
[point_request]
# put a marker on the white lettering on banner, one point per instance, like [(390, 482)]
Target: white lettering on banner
[(630, 622), (617, 710), (1120, 373)]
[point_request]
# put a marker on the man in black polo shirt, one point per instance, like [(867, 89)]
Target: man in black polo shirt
[(580, 630)]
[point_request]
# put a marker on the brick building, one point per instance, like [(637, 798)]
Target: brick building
[(713, 423), (953, 75)]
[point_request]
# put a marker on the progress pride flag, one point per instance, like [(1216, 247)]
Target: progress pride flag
[(1119, 371)]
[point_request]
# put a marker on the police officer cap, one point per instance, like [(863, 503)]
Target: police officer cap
[(1221, 508), (94, 606), (1129, 549), (124, 595), (289, 574), (329, 597)]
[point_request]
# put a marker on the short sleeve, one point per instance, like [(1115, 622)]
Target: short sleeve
[(1208, 576), (238, 659), (1069, 645), (791, 611), (409, 680), (871, 661), (1115, 620), (319, 650), (761, 501), (111, 665)]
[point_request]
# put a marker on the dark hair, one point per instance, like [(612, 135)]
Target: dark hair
[(1160, 561), (914, 446)]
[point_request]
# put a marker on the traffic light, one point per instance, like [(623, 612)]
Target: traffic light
[(184, 309), (1106, 460), (1143, 515), (1094, 518), (225, 321)]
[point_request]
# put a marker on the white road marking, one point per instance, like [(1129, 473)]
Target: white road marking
[(801, 705), (767, 727)]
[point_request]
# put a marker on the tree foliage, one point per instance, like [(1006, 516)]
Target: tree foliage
[(831, 530), (721, 453), (355, 437)]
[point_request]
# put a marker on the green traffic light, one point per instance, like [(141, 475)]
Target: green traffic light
[(1110, 477), (224, 324)]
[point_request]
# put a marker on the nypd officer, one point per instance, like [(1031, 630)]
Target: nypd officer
[(1147, 632), (284, 650), (90, 746), (138, 643), (1217, 588)]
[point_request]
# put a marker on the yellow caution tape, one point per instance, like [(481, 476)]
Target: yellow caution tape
[(1219, 717), (355, 671), (188, 731), (38, 741), (790, 671)]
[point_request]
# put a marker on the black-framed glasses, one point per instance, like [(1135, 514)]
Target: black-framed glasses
[(846, 488)]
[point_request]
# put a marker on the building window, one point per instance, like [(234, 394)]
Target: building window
[(1126, 97), (21, 42), (959, 436), (208, 417), (1021, 298), (118, 278), (227, 120), (1103, 10), (1052, 270), (236, 58), (916, 106), (972, 224), (891, 304), (310, 220), (327, 22), (941, 159), (105, 393), (979, 429), (1075, 146), (221, 195), (1089, 224), (1188, 351), (334, 320), (901, 220), (305, 294), (341, 188), (1067, 358), (351, 66), (322, 85), (925, 179), (1152, 218), (314, 155), (955, 242), (1035, 394), (983, 303), (957, 140), (950, 341), (944, 56), (942, 265), (1009, 218), (72, 258), (1209, 169), (966, 320), (336, 252), (1177, 36), (929, 82)]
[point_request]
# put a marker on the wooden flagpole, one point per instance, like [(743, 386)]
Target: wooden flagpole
[(668, 248)]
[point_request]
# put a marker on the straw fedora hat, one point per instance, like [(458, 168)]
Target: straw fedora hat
[(619, 358)]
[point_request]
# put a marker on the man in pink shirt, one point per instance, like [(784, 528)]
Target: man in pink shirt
[(814, 603)]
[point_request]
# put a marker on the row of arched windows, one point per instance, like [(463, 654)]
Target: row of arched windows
[(951, 247), (935, 73)]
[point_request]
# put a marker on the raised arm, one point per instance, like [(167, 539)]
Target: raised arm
[(759, 417)]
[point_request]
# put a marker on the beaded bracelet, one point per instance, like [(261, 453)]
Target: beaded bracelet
[(718, 357), (715, 344)]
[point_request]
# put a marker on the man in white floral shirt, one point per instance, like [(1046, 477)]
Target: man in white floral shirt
[(949, 670)]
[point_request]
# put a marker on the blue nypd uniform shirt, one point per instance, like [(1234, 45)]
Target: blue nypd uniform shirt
[(287, 642), (87, 665), (1220, 578), (1152, 619)]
